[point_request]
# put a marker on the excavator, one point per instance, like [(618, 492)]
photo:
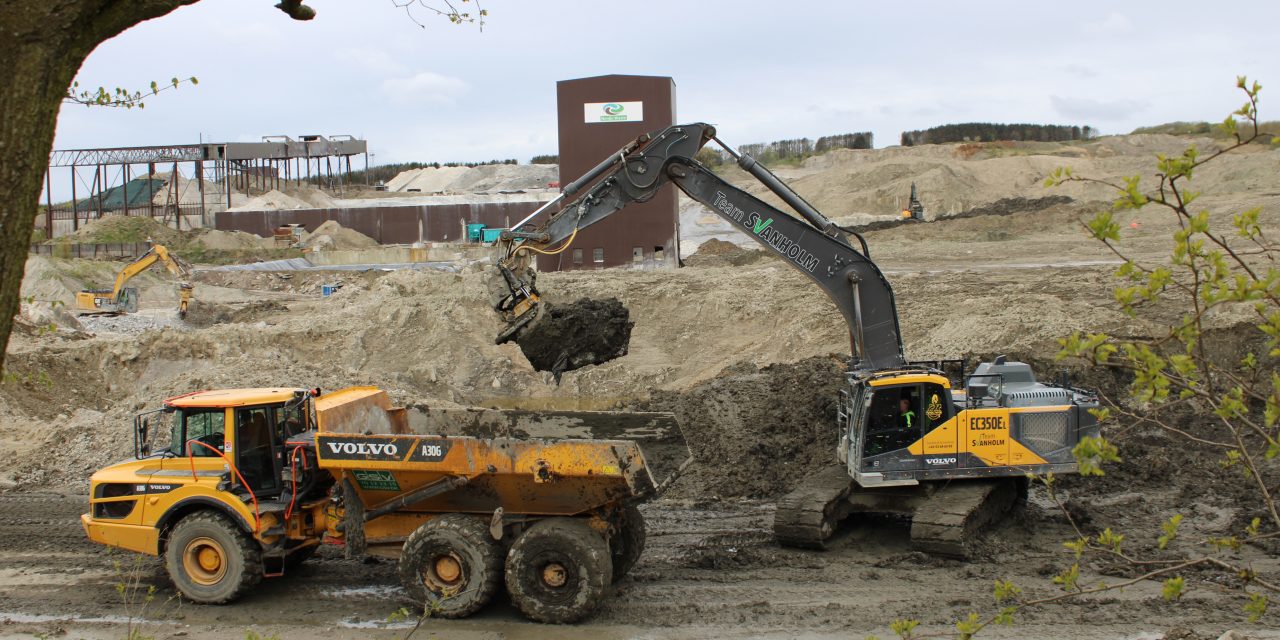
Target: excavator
[(953, 456), (121, 299)]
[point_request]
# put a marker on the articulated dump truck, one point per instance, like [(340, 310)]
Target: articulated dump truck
[(232, 486)]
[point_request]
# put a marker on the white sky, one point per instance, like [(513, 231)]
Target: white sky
[(760, 71)]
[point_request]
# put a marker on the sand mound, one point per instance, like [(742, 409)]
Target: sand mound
[(271, 201), (334, 236), (484, 178), (230, 240), (716, 247)]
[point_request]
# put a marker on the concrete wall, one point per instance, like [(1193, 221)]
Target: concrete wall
[(393, 224)]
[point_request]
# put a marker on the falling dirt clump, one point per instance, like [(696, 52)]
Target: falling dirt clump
[(758, 432), (572, 336)]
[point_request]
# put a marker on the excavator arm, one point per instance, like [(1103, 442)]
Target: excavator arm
[(811, 243)]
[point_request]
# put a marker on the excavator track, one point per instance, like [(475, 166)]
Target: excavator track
[(949, 522), (807, 516)]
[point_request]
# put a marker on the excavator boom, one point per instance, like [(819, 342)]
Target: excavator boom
[(810, 243)]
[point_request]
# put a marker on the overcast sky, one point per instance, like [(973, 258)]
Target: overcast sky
[(759, 70)]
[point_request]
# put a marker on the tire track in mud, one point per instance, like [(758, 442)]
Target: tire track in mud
[(710, 569)]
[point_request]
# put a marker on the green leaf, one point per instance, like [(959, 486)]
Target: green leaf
[(1170, 528), (968, 626), (1069, 578), (904, 628), (1172, 588), (1006, 590), (1091, 452), (1256, 607)]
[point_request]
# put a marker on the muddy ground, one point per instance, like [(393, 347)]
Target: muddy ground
[(746, 352)]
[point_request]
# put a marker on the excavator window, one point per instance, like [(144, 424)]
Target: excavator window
[(894, 420)]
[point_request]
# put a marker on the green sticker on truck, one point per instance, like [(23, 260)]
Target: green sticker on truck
[(375, 480)]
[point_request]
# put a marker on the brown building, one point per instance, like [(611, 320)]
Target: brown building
[(597, 116)]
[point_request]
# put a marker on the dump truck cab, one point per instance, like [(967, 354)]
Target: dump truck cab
[(220, 450)]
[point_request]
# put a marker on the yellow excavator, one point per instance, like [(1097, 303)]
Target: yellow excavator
[(951, 454), (121, 299)]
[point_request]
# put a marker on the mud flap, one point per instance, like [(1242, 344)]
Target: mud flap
[(352, 521)]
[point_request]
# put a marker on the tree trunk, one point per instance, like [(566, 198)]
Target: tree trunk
[(45, 43)]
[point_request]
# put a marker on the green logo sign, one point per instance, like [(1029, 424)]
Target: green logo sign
[(375, 480), (761, 225), (613, 112)]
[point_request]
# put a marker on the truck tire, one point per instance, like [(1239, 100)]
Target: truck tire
[(211, 560), (558, 570), (451, 565), (628, 542)]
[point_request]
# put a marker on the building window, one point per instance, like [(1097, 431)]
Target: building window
[(657, 254), (577, 256), (637, 254), (597, 254)]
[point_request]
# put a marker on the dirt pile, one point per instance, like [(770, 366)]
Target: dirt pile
[(1010, 206), (125, 229), (333, 236), (575, 335), (206, 314), (230, 240), (271, 201), (756, 432), (481, 179), (716, 252)]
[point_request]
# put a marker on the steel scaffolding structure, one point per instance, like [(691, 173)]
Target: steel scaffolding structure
[(217, 170)]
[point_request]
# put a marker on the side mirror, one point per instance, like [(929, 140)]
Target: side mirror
[(143, 433)]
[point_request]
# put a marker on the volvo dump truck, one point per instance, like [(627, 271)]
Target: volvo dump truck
[(949, 453), (235, 485), (124, 299)]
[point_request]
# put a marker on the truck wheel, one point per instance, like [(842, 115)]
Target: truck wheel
[(628, 542), (558, 570), (451, 565), (211, 560)]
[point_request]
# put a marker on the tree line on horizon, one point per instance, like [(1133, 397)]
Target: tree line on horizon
[(992, 132)]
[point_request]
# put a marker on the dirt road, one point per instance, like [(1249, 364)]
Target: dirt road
[(710, 570)]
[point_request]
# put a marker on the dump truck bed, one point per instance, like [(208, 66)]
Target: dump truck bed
[(362, 440), (533, 477)]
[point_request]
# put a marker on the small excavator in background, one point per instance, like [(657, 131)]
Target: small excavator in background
[(914, 209), (951, 454), (122, 299)]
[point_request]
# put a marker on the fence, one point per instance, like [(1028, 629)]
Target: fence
[(91, 251)]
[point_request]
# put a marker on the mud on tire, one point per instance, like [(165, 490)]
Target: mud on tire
[(451, 565), (558, 570), (211, 560), (627, 542)]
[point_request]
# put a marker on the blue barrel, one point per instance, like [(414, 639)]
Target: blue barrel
[(491, 235), (473, 232)]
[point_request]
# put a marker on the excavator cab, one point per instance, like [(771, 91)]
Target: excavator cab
[(884, 417)]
